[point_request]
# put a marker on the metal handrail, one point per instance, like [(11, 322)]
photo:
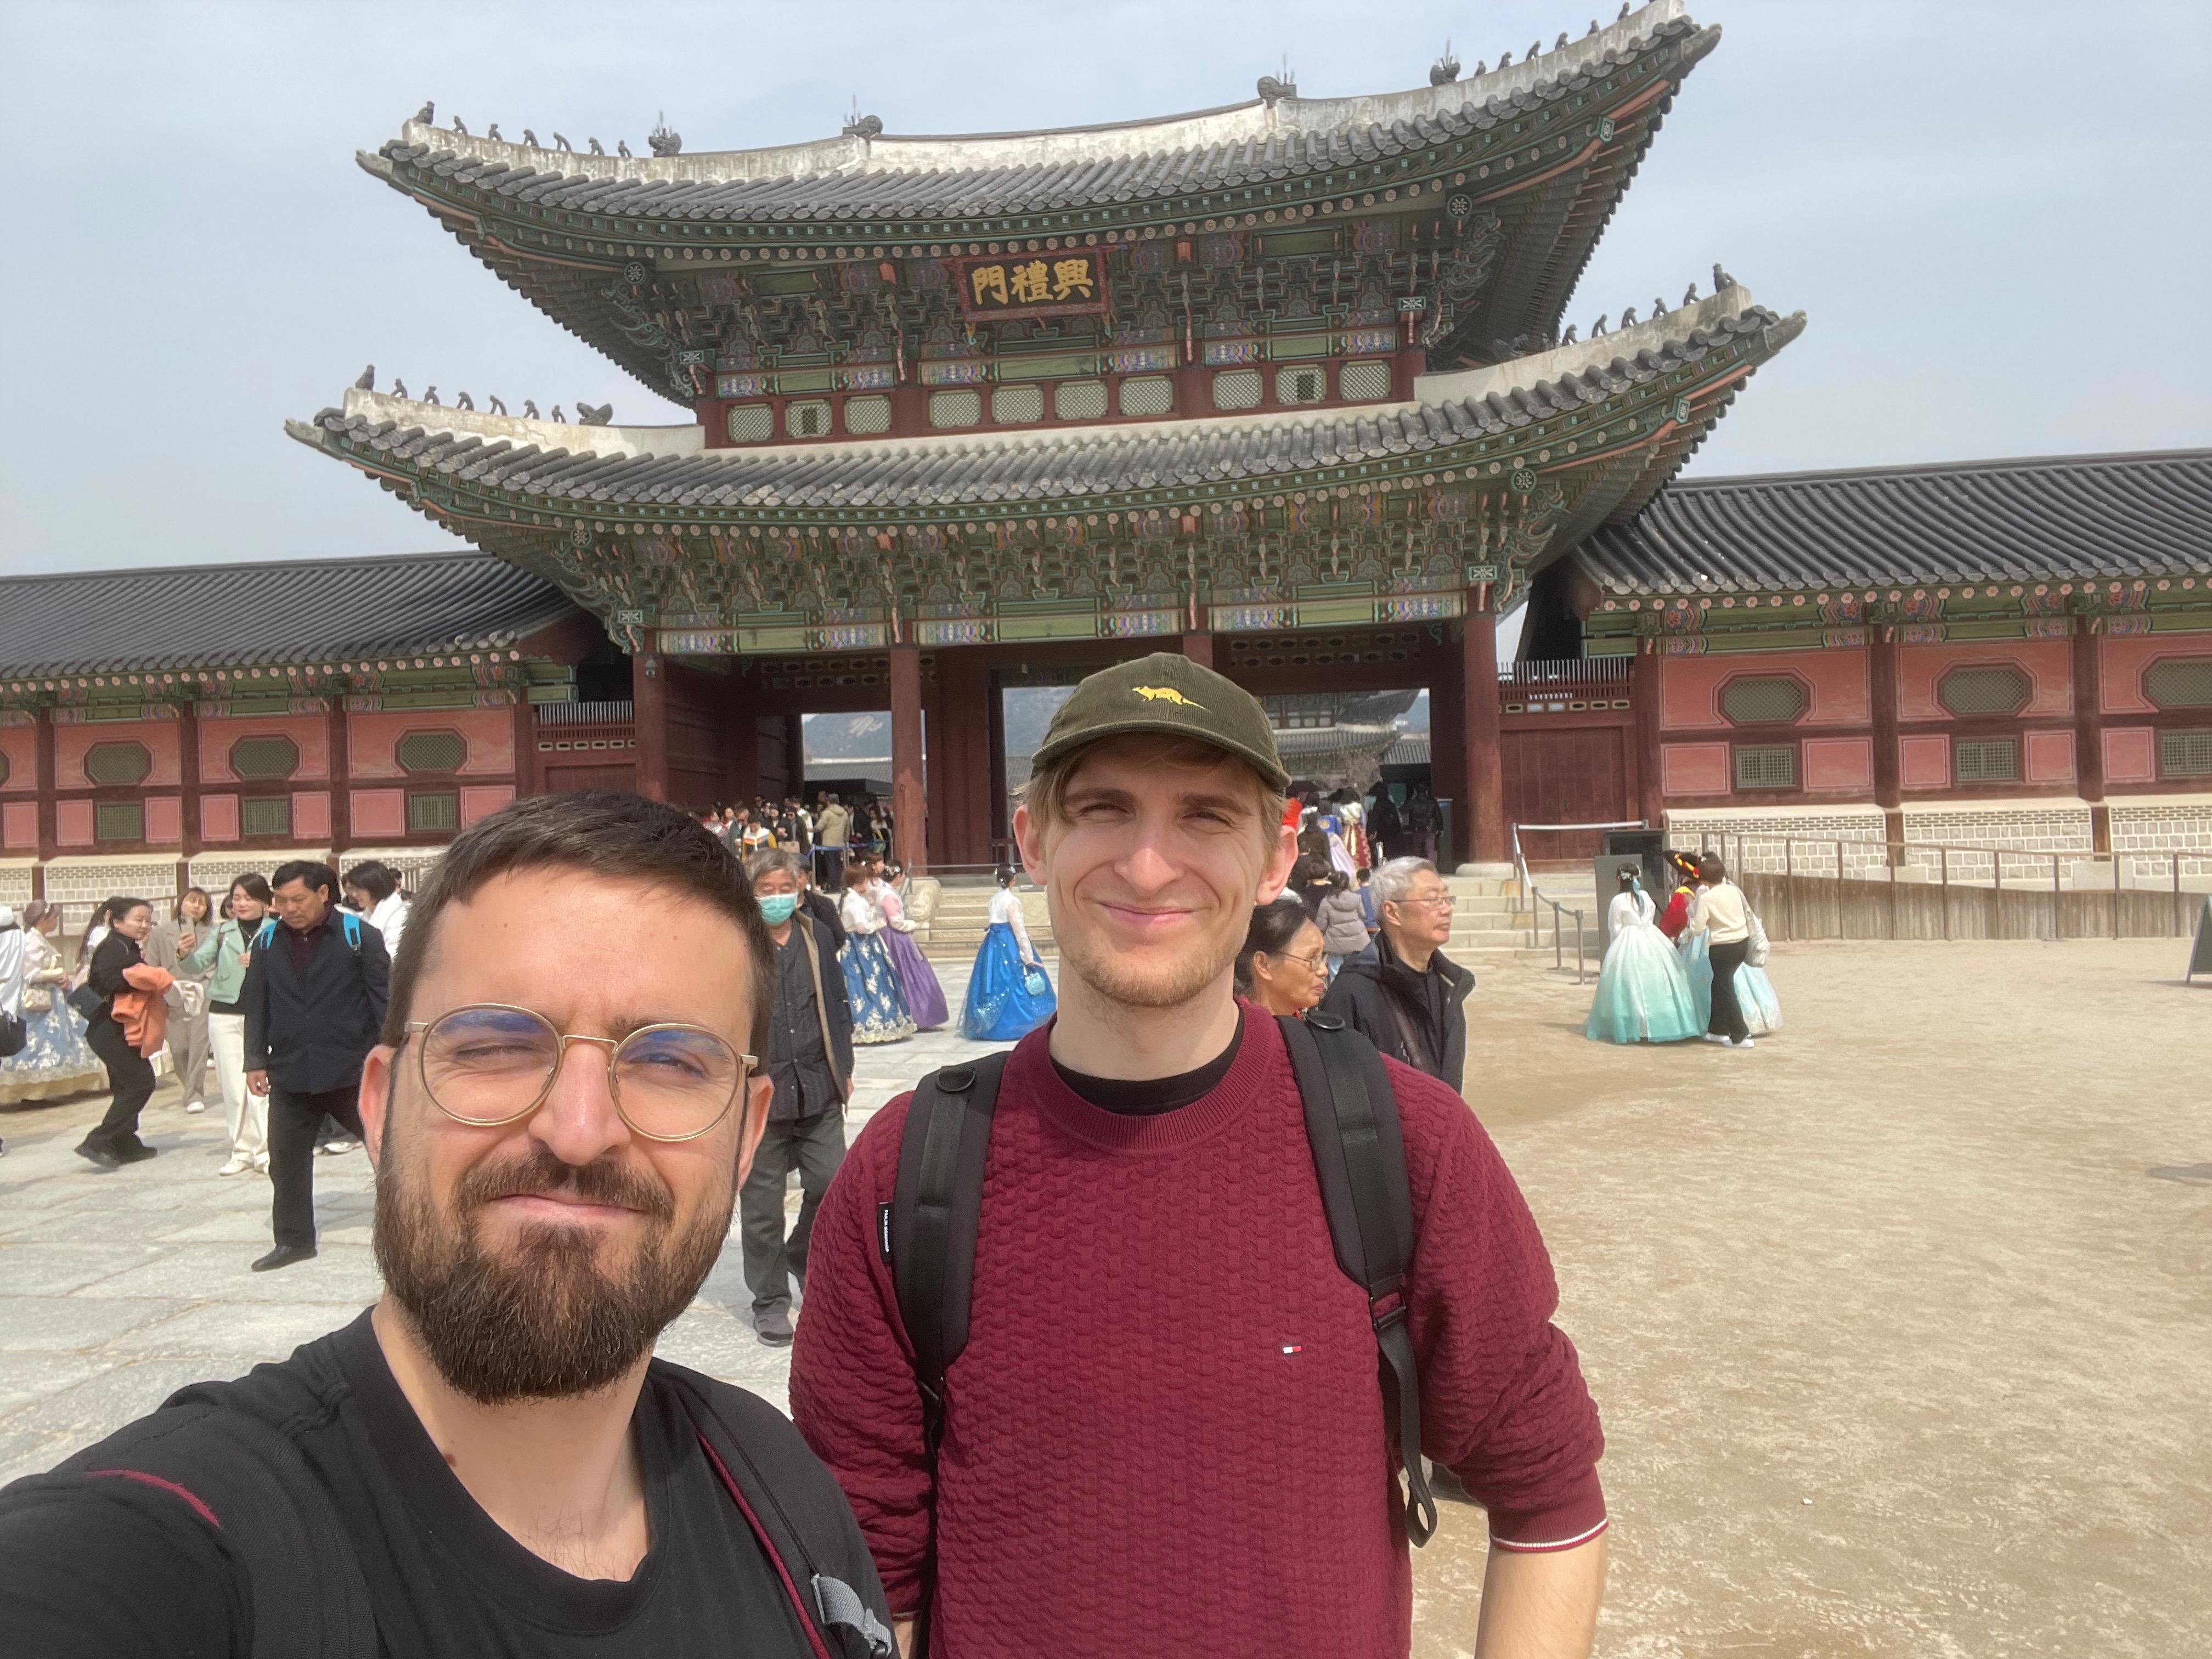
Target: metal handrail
[(1527, 882)]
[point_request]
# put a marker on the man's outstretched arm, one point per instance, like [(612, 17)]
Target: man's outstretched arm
[(1541, 1604)]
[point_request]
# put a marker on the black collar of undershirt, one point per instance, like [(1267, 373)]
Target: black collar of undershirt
[(1149, 1096)]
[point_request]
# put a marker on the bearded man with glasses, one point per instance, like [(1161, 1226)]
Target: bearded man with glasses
[(490, 1460)]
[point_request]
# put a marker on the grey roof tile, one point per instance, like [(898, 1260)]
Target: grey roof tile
[(285, 611), (2062, 518)]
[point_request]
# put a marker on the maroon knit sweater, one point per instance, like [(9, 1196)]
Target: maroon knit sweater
[(1166, 1434)]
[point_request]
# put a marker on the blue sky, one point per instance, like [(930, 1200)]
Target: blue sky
[(1995, 215)]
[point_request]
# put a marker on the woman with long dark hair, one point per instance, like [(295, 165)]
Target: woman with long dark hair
[(1009, 994), (120, 974)]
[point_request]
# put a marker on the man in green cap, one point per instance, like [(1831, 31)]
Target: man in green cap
[(1163, 1431)]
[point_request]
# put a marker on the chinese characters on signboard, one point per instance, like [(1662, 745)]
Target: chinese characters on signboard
[(1033, 285)]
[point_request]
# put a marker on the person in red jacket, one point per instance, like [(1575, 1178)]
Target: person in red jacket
[(1676, 916), (1165, 1434)]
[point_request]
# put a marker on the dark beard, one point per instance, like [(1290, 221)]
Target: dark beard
[(545, 1323)]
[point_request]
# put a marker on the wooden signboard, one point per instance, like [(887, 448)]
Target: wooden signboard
[(1064, 283)]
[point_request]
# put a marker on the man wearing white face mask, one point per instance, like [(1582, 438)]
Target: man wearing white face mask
[(809, 1059)]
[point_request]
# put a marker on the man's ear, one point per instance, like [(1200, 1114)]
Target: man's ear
[(1277, 872), (374, 1101), (760, 1090), (1029, 836)]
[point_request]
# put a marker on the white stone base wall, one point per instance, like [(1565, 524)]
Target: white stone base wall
[(2159, 830), (1774, 839)]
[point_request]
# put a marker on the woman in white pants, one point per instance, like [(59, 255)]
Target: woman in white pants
[(222, 956)]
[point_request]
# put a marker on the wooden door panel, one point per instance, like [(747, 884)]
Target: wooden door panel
[(1573, 774)]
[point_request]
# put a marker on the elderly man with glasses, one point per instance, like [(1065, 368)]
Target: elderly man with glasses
[(1402, 994), (490, 1460)]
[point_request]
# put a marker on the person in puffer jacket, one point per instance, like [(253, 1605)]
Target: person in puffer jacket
[(1343, 922)]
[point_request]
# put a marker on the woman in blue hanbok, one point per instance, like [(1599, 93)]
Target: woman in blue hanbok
[(56, 1061), (872, 980), (1008, 994), (1754, 992), (1643, 994)]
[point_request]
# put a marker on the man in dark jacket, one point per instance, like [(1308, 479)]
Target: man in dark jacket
[(314, 1000), (1402, 994), (809, 1059)]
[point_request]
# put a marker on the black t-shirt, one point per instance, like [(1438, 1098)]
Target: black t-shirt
[(444, 1578), (1148, 1096)]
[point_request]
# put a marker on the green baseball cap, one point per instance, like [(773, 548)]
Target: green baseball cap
[(1168, 694)]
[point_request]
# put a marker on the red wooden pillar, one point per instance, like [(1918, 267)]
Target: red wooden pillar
[(341, 776), (1485, 836), (649, 709), (1446, 667), (525, 746), (1882, 684), (1644, 691), (188, 782), (1199, 648), (2089, 734), (909, 795), (959, 762), (49, 830)]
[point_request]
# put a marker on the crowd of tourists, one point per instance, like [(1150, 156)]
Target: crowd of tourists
[(822, 836), (1160, 1331)]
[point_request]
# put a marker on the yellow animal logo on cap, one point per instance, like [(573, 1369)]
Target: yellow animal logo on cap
[(1167, 694)]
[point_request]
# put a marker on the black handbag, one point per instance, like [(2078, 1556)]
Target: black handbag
[(88, 1002), (14, 1036)]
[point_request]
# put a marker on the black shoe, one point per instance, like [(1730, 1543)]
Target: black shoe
[(136, 1153), (283, 1257), (99, 1156), (774, 1324)]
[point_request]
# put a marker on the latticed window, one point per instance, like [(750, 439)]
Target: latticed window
[(1365, 381), (118, 762), (864, 415), (1013, 404), (1994, 690), (1986, 760), (433, 810), (1764, 700), (264, 757), (265, 818), (954, 408), (1300, 385), (2180, 683), (432, 751), (120, 820), (1148, 394), (1236, 388), (810, 419), (2185, 754), (752, 423), (1079, 400), (1766, 766)]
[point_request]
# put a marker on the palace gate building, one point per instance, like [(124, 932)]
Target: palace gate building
[(1286, 385)]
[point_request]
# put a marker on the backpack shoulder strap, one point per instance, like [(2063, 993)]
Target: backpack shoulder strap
[(249, 1481), (1360, 1156), (797, 1512), (268, 932), (930, 1230)]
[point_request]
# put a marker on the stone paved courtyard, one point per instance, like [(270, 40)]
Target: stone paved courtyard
[(1898, 1323)]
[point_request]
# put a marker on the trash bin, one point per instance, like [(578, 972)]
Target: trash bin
[(1641, 850)]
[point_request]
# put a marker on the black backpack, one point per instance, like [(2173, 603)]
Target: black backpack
[(228, 1453), (928, 1233)]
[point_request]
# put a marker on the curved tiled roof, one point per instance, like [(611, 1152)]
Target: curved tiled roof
[(292, 611), (890, 176), (950, 470), (2055, 518)]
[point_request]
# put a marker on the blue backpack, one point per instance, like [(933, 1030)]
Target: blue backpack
[(348, 924)]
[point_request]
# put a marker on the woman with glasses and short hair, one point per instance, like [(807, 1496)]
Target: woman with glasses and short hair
[(1283, 967)]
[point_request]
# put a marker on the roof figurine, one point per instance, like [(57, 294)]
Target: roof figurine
[(530, 409), (622, 149), (460, 127), (399, 387), (431, 395), (368, 380), (1445, 70), (530, 137), (597, 149), (561, 142), (1721, 278), (594, 415), (664, 140), (497, 407), (464, 401), (492, 132), (427, 113)]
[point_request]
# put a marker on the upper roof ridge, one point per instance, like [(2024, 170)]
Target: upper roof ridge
[(1255, 121)]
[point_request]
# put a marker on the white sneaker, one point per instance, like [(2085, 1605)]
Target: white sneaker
[(1741, 1043), (1715, 1037), (236, 1166), (196, 1106), (261, 1163)]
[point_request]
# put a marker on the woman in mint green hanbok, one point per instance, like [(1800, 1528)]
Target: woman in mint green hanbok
[(1754, 992), (1643, 994)]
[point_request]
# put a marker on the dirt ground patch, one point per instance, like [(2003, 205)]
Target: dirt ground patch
[(1901, 1344)]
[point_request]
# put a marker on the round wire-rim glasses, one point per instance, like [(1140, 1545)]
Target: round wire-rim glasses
[(687, 1070)]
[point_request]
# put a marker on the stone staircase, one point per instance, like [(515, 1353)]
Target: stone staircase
[(956, 918)]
